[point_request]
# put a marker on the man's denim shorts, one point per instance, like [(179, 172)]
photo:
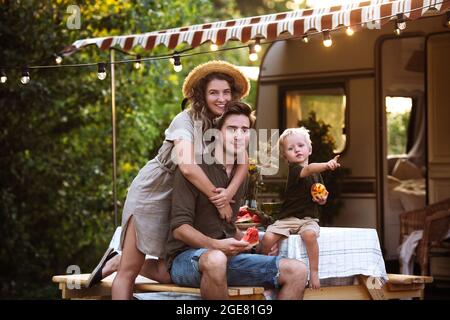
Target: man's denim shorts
[(242, 270)]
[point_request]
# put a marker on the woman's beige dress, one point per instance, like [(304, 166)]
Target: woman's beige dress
[(149, 196)]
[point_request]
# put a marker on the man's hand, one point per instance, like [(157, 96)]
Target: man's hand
[(231, 246), (222, 198), (333, 163)]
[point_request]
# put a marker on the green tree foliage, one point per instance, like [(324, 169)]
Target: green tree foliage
[(397, 124), (55, 133)]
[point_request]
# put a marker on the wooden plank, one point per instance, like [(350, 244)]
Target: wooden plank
[(374, 286), (405, 287), (96, 291), (142, 285), (405, 294), (408, 279), (354, 292), (250, 297), (145, 287), (243, 291)]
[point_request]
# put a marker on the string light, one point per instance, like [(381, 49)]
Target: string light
[(25, 78), (3, 76), (327, 42), (349, 31), (177, 66), (258, 47), (58, 59), (400, 24), (252, 56), (137, 64), (101, 72), (214, 47)]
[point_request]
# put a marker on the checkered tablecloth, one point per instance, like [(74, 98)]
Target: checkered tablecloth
[(343, 252)]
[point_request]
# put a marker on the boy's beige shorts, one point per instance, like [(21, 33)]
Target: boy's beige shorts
[(293, 225)]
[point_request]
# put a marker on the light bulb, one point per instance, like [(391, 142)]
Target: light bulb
[(3, 77), (137, 64), (349, 31), (327, 42), (305, 38), (58, 59), (258, 47), (400, 24), (252, 56), (25, 78), (101, 72), (177, 66), (214, 47)]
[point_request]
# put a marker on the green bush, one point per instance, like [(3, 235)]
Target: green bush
[(56, 206)]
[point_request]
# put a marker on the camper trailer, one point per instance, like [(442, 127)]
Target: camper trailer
[(354, 85)]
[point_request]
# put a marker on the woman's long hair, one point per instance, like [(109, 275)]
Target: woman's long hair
[(198, 107)]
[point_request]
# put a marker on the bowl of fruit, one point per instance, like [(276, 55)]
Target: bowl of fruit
[(248, 217)]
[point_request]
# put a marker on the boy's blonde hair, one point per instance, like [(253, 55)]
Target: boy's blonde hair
[(302, 131)]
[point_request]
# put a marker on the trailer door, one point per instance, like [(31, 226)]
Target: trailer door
[(438, 116)]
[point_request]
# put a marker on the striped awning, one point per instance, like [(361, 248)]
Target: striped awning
[(273, 26)]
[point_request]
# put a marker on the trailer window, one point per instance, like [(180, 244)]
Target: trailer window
[(328, 105), (398, 113)]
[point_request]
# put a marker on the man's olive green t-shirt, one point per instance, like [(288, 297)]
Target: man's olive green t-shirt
[(190, 206), (297, 196)]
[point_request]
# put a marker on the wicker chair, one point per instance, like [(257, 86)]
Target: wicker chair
[(434, 220)]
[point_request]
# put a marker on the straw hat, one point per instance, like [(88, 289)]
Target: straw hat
[(204, 69)]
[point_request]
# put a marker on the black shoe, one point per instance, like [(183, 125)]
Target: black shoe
[(96, 275)]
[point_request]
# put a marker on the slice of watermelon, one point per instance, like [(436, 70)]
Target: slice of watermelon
[(251, 236), (245, 218)]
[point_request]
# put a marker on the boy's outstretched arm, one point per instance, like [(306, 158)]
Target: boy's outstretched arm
[(320, 167)]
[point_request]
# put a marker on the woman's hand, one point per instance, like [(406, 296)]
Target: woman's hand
[(226, 213), (222, 198)]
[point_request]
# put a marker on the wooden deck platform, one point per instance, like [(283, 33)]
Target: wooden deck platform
[(397, 287)]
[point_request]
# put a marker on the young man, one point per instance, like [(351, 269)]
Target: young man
[(206, 251)]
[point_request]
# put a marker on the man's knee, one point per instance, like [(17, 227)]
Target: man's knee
[(213, 261)]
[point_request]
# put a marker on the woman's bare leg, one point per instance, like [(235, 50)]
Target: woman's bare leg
[(130, 265)]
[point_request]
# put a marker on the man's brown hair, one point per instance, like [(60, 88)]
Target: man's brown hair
[(238, 108)]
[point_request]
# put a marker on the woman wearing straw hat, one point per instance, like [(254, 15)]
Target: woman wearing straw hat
[(145, 218)]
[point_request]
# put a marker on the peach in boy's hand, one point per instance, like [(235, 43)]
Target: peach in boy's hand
[(322, 198)]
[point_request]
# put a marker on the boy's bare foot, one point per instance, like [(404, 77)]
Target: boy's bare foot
[(314, 282)]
